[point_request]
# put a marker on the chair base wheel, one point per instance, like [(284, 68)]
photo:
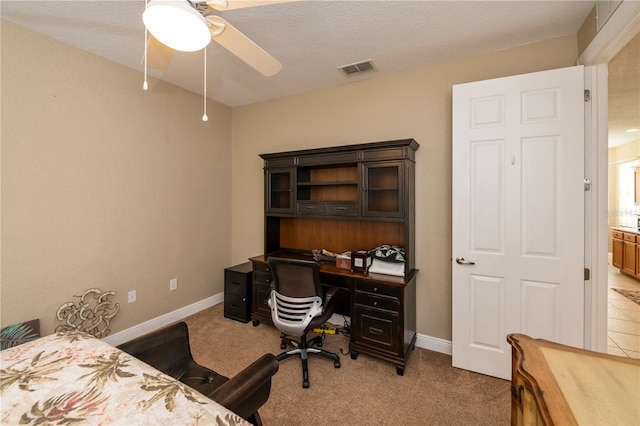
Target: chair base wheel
[(305, 384), (336, 364)]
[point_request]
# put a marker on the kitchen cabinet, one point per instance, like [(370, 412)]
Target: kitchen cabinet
[(626, 251), (617, 238), (629, 253)]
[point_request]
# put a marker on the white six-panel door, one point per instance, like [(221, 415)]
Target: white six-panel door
[(518, 215)]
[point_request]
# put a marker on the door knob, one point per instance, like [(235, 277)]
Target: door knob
[(461, 261)]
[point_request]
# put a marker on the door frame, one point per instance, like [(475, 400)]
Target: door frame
[(621, 27)]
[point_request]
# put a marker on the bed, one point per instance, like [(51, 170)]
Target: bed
[(75, 378)]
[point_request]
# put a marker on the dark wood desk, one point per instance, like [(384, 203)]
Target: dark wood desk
[(382, 307)]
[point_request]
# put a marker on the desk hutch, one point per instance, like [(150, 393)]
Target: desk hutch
[(343, 199)]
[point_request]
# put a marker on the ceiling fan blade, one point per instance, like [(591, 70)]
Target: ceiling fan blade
[(158, 55), (243, 47), (240, 4)]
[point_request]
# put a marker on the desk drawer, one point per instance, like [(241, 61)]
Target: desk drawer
[(261, 267), (630, 237), (379, 302), (617, 235), (376, 329), (262, 278), (341, 208), (377, 288), (310, 207), (236, 283), (261, 294), (236, 307)]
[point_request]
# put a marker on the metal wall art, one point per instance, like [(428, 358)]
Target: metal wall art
[(92, 314)]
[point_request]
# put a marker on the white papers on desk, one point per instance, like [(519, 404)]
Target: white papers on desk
[(388, 268)]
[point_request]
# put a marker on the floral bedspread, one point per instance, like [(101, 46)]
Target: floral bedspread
[(73, 378)]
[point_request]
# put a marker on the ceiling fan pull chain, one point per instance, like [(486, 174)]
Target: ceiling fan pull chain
[(145, 85), (204, 117)]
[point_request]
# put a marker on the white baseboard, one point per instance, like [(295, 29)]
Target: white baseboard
[(433, 344), (163, 320), (422, 341)]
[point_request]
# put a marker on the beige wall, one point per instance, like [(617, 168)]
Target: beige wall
[(587, 31), (104, 185), (413, 104)]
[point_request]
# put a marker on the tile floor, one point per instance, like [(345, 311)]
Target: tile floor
[(623, 327)]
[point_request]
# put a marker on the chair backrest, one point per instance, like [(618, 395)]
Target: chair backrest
[(297, 295), (162, 349), (296, 278)]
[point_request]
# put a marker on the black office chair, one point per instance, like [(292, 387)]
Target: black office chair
[(169, 351), (298, 304)]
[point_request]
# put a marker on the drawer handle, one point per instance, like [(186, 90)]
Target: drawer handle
[(310, 208), (373, 330), (235, 283), (375, 303), (268, 270), (244, 299), (375, 289), (341, 209)]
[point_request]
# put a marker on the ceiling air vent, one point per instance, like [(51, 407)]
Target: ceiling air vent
[(357, 68)]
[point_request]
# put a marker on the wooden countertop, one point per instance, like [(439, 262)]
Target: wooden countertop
[(577, 386), (628, 229)]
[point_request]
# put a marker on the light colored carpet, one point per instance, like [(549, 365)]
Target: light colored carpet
[(366, 391)]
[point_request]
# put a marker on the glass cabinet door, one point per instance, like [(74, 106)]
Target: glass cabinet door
[(279, 190), (382, 191)]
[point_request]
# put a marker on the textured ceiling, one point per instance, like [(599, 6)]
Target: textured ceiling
[(311, 38)]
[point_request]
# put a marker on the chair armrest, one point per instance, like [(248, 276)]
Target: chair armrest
[(248, 390)]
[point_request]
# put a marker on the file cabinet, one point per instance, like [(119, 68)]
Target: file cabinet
[(237, 292)]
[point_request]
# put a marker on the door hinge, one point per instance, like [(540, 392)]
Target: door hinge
[(587, 95), (587, 184), (587, 274)]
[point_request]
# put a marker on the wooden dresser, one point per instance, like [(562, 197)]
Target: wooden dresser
[(554, 384)]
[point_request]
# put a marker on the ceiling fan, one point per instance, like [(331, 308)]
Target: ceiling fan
[(189, 25)]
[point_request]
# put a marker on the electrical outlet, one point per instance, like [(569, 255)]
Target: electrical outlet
[(132, 296), (173, 284)]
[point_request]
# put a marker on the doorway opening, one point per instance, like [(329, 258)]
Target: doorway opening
[(623, 269)]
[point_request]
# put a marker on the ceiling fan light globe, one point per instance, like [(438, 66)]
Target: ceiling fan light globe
[(177, 25)]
